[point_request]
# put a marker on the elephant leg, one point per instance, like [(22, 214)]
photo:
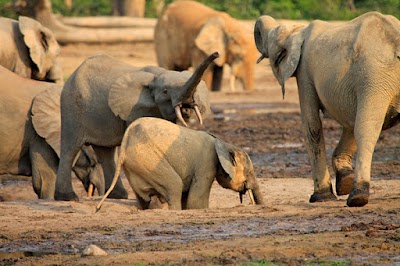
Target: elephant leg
[(342, 162), (217, 73), (370, 117), (199, 193), (107, 160), (315, 144), (44, 163), (69, 150)]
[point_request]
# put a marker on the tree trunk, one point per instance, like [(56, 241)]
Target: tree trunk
[(109, 22), (130, 8)]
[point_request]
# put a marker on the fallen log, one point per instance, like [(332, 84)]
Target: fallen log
[(109, 22), (85, 35)]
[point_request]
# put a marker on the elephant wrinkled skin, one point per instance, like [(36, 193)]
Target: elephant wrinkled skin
[(178, 165), (23, 151), (104, 95), (352, 72), (188, 31), (30, 50)]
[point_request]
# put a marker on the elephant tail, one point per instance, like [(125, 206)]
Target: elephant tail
[(121, 160)]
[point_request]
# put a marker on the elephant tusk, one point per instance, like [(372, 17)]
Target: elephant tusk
[(90, 190), (179, 115), (197, 111), (251, 196), (261, 58)]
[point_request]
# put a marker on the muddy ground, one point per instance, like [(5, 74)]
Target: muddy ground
[(287, 231)]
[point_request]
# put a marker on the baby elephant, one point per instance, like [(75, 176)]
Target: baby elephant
[(178, 165)]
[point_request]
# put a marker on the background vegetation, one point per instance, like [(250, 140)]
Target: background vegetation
[(244, 9)]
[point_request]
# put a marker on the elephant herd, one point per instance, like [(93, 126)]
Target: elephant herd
[(52, 132)]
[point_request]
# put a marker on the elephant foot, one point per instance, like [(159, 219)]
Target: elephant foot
[(344, 182), (118, 194), (70, 196), (359, 195), (324, 195)]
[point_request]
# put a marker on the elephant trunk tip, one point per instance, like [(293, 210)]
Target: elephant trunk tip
[(189, 87)]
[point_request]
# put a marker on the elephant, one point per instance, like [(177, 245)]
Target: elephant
[(30, 50), (104, 95), (178, 165), (350, 71), (23, 151), (188, 31)]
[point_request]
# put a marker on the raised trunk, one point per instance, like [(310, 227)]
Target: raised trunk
[(190, 87)]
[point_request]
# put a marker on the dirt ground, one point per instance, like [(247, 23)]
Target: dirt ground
[(288, 230)]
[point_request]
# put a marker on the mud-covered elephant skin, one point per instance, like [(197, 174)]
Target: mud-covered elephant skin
[(349, 70), (104, 95), (22, 150), (178, 165), (188, 31), (30, 50)]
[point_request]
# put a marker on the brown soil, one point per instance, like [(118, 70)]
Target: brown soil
[(287, 231)]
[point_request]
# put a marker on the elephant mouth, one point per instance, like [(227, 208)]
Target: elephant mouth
[(185, 110)]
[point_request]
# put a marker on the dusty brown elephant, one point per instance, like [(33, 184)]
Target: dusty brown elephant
[(178, 165), (350, 71), (188, 31), (23, 150), (29, 49)]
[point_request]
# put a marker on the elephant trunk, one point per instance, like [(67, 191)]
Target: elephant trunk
[(255, 193), (189, 87), (261, 29)]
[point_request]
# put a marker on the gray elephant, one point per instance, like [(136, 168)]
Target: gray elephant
[(29, 49), (352, 72), (188, 31), (104, 95), (22, 150), (178, 165)]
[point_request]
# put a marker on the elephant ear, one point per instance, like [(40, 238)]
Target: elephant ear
[(40, 41), (212, 38), (226, 156), (129, 90), (46, 116), (284, 49)]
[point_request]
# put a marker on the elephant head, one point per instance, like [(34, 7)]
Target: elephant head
[(46, 120), (236, 171), (88, 169), (173, 93), (236, 49), (281, 44), (43, 50)]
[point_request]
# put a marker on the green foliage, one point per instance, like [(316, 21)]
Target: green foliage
[(83, 8), (5, 9), (242, 9), (260, 263)]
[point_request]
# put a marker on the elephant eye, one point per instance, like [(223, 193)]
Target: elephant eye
[(165, 91)]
